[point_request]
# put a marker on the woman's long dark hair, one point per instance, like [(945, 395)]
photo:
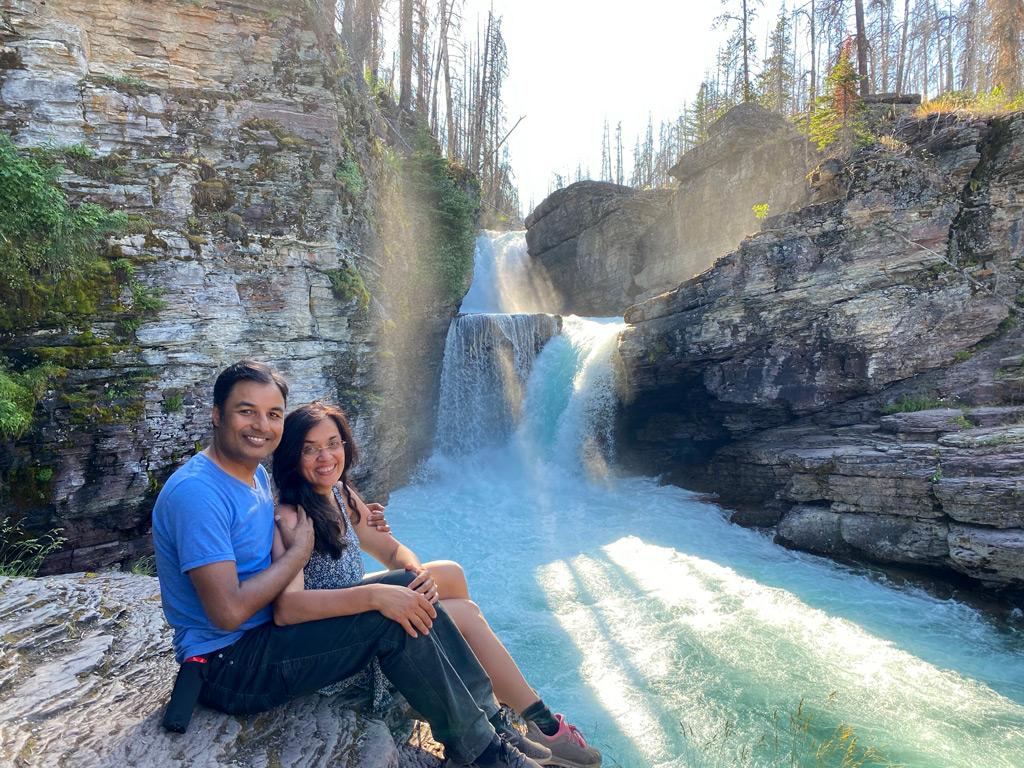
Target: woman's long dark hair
[(294, 489)]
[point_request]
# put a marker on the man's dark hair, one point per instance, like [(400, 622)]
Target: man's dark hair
[(246, 370)]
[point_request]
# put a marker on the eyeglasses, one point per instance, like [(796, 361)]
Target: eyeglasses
[(312, 451)]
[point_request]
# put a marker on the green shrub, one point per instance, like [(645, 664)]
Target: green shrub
[(910, 404), (19, 393), (39, 231), (144, 566), (49, 262), (21, 555), (348, 174), (173, 404), (348, 284), (443, 214)]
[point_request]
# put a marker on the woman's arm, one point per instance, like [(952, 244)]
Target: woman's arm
[(297, 604), (383, 547), (389, 551)]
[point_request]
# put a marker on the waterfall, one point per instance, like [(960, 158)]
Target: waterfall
[(672, 638), (505, 279), (487, 359)]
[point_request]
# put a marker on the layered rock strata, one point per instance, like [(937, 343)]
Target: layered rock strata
[(765, 376), (271, 225), (87, 671)]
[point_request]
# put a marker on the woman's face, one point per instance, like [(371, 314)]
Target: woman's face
[(322, 456)]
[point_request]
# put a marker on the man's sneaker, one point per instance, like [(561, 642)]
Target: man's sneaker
[(568, 747), (536, 752), (508, 757)]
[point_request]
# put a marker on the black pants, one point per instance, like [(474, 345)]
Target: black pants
[(438, 673)]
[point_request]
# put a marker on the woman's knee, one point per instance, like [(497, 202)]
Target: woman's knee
[(450, 578)]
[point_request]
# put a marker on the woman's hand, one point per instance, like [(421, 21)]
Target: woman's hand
[(423, 583), (410, 609), (375, 518)]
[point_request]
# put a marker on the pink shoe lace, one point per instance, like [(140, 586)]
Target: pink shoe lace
[(574, 732)]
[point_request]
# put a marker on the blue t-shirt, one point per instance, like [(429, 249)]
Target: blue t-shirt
[(204, 515)]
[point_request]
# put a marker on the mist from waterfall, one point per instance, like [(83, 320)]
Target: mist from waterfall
[(671, 637)]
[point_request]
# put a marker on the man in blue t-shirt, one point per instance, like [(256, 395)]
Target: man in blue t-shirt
[(213, 525)]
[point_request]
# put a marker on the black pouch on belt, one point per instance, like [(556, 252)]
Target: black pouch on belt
[(185, 694)]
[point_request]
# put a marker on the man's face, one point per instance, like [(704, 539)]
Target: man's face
[(248, 427)]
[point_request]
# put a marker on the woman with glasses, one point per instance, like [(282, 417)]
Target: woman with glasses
[(311, 467)]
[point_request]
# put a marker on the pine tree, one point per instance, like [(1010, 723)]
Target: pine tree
[(839, 121), (775, 82), (744, 15)]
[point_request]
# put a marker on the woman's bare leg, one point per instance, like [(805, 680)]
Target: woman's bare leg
[(510, 687)]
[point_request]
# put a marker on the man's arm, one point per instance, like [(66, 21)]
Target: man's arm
[(229, 602)]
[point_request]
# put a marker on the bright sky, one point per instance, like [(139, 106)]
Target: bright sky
[(575, 63)]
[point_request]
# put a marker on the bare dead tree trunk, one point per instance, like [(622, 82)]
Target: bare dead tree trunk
[(405, 44), (968, 77), (901, 63), (1007, 24), (814, 58), (862, 50)]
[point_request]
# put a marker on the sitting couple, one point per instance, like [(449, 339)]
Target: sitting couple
[(272, 612)]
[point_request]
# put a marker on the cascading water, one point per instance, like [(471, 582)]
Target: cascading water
[(671, 637)]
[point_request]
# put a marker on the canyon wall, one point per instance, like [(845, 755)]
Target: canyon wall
[(765, 378), (268, 220)]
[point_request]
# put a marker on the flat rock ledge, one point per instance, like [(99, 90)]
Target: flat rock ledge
[(86, 670)]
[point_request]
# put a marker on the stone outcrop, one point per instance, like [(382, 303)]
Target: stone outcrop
[(752, 157), (586, 239), (87, 670), (270, 224), (605, 247), (764, 378)]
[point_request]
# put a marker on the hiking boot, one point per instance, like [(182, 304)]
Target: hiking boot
[(568, 747)]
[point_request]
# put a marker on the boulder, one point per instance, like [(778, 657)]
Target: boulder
[(752, 157), (586, 239), (605, 246), (87, 670)]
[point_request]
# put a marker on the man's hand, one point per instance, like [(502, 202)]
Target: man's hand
[(410, 609), (423, 583), (298, 536), (376, 517)]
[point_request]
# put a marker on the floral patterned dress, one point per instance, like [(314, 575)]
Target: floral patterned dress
[(324, 572)]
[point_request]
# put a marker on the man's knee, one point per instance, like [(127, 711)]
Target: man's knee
[(399, 578)]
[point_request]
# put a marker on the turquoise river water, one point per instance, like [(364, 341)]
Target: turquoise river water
[(668, 635)]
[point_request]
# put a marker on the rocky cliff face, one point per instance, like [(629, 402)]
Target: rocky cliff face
[(271, 223), (586, 239), (87, 672), (766, 375), (605, 247)]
